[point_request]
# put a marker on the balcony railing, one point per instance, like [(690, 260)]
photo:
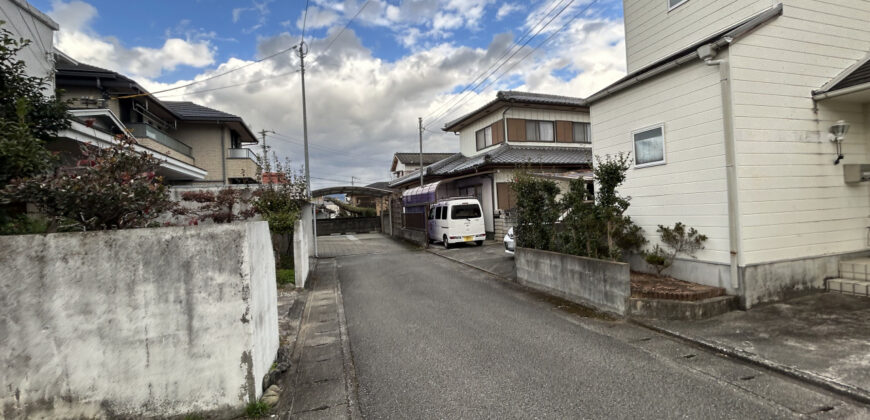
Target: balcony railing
[(150, 132), (242, 153)]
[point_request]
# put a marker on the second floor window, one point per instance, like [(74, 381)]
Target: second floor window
[(539, 131), (484, 138), (582, 132)]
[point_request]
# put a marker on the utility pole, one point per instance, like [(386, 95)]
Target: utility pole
[(302, 51), (351, 180), (266, 166), (420, 124)]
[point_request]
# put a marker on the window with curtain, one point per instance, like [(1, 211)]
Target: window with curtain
[(484, 138), (582, 132), (539, 131), (649, 146)]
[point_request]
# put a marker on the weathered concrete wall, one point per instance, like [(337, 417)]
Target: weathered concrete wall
[(417, 237), (301, 249), (348, 225), (136, 323), (604, 285), (785, 279)]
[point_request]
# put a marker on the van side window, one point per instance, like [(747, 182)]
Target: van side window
[(437, 213), (432, 213), (465, 211), (443, 213)]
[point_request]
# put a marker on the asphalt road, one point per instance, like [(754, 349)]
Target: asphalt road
[(435, 339)]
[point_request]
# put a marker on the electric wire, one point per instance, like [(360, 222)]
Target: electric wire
[(556, 32), (467, 96), (495, 62)]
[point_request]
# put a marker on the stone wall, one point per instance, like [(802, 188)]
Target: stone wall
[(136, 323), (604, 285)]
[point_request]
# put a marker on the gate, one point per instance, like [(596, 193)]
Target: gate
[(348, 225)]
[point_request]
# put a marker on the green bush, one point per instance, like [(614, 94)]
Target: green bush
[(23, 225), (257, 410), (286, 276), (111, 188), (678, 240)]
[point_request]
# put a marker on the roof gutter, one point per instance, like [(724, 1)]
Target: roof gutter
[(724, 40), (841, 92)]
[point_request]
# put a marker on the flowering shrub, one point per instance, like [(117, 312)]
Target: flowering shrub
[(110, 188), (226, 206)]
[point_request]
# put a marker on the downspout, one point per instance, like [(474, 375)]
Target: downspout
[(707, 53), (223, 155), (504, 122)]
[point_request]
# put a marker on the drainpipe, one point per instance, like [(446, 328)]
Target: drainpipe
[(707, 53), (504, 121), (223, 155)]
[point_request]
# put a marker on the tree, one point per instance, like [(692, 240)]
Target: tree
[(110, 188), (678, 240), (536, 211), (27, 118)]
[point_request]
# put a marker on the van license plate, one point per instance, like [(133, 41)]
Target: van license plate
[(468, 238)]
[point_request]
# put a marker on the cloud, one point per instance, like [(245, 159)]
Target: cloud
[(362, 109), (259, 9), (77, 39), (506, 9), (317, 18)]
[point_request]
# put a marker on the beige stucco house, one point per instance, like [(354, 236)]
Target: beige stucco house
[(728, 108), (197, 145)]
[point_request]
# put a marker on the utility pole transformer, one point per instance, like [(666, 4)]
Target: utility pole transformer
[(302, 51)]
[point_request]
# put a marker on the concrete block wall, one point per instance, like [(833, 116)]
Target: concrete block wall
[(136, 323), (604, 285)]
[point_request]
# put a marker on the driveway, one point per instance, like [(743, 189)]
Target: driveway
[(490, 257), (432, 338)]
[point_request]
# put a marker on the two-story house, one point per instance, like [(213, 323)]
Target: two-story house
[(547, 134), (405, 163), (196, 144), (730, 109)]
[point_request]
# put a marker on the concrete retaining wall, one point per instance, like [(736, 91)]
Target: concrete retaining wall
[(604, 285), (301, 249), (348, 225), (136, 323), (417, 237)]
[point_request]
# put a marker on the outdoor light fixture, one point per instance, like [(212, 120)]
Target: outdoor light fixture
[(838, 133)]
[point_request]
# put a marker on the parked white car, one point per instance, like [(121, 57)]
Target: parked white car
[(510, 243), (456, 220)]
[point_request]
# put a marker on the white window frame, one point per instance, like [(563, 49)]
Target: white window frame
[(676, 5), (664, 146)]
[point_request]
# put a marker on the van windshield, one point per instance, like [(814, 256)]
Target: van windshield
[(465, 211)]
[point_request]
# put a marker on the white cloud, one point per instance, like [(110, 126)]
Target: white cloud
[(506, 9), (317, 18), (78, 40), (259, 9), (362, 109)]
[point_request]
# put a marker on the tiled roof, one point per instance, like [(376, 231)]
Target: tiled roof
[(504, 155), (510, 96), (428, 158), (82, 67), (857, 74), (192, 111)]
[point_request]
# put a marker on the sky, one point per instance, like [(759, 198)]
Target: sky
[(372, 67)]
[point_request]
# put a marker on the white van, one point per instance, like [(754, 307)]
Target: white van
[(455, 220)]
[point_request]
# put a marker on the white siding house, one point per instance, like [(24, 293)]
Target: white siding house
[(25, 21), (747, 156)]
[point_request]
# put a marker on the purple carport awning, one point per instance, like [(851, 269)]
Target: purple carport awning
[(420, 196)]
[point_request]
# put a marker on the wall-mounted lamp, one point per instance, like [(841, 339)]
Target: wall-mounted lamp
[(838, 134)]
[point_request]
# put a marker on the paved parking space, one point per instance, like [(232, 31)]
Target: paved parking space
[(490, 257), (366, 243)]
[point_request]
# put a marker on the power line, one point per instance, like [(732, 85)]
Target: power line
[(556, 32), (233, 85), (466, 97), (196, 82), (328, 46), (304, 21), (496, 61)]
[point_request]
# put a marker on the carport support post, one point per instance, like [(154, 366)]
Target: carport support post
[(420, 123)]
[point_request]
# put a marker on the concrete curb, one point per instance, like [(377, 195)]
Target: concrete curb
[(351, 385), (848, 391)]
